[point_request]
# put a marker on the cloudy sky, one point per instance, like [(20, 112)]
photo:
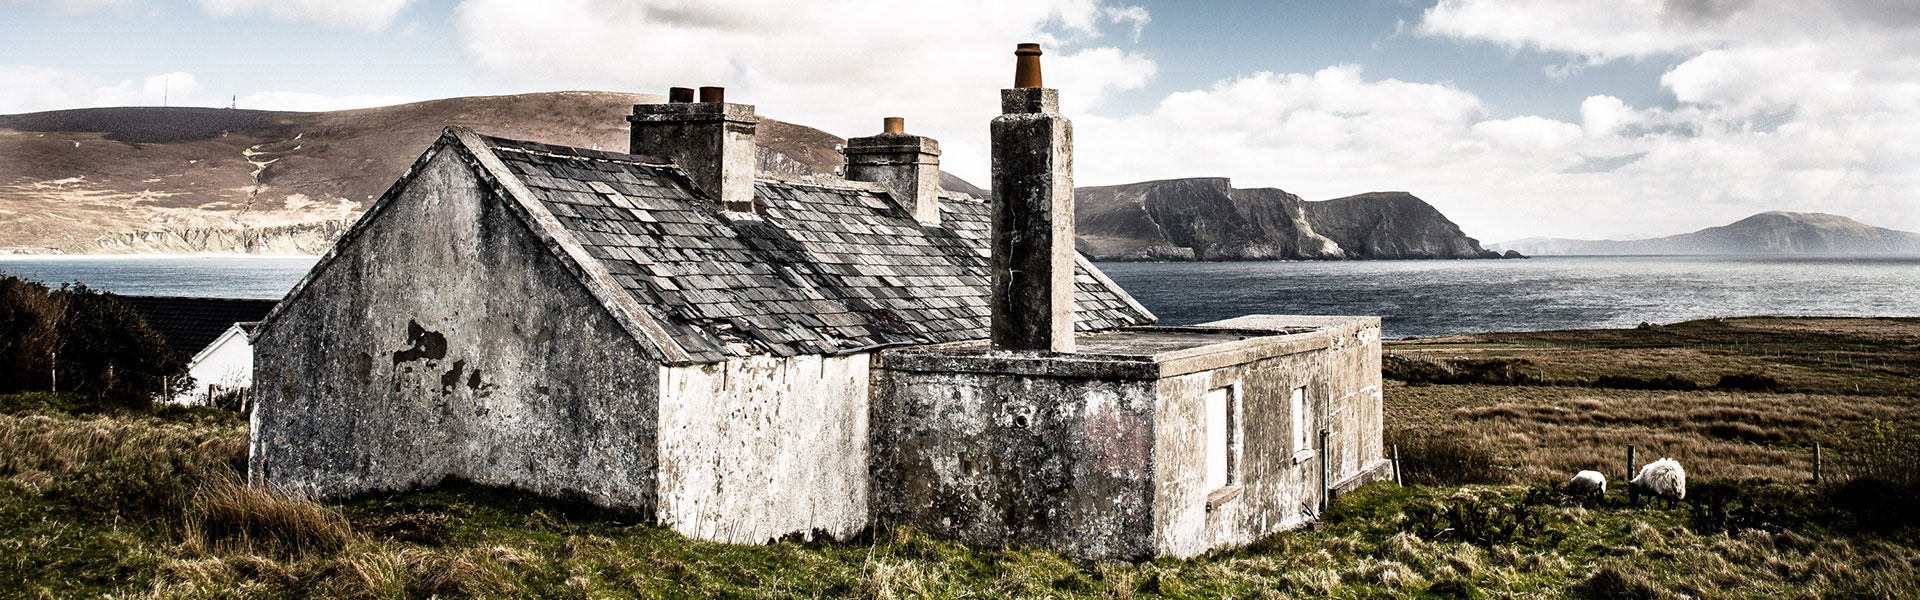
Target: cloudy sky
[(1516, 118)]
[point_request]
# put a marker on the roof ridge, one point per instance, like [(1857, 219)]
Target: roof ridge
[(522, 146)]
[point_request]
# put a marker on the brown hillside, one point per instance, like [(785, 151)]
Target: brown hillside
[(71, 179)]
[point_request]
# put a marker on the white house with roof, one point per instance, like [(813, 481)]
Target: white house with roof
[(746, 357), (224, 366)]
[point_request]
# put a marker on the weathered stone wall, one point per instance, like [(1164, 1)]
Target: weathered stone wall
[(445, 340), (1104, 455), (754, 448), (1275, 481), (1016, 460), (1279, 487)]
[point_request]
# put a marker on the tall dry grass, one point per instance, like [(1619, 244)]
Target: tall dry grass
[(229, 516)]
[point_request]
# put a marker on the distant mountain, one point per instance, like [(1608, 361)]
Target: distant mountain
[(1773, 232), (119, 180), (1209, 219)]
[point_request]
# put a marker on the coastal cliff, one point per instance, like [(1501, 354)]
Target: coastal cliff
[(1208, 219)]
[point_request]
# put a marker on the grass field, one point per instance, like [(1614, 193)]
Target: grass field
[(1543, 401), (146, 504)]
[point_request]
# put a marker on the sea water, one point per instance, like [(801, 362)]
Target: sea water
[(1438, 297), (1414, 298)]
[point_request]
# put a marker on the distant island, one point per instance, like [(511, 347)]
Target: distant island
[(1773, 232), (1209, 219)]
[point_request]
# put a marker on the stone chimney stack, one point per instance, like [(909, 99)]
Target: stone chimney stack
[(1033, 253), (907, 164), (712, 140)]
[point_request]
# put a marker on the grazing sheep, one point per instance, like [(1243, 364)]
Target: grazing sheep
[(1661, 478), (1590, 484)]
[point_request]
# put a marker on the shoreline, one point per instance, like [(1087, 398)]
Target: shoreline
[(156, 256)]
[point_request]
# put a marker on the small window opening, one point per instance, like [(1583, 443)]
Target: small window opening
[(1302, 425), (1221, 438)]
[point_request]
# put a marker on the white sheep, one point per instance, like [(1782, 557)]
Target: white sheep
[(1589, 484), (1661, 478)]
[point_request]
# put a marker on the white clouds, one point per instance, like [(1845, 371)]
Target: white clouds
[(839, 65), (1601, 116), (305, 102), (1779, 104), (1602, 30), (67, 7), (33, 88), (363, 14), (25, 88), (1323, 134)]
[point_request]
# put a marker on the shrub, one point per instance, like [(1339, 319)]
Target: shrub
[(1491, 371), (1471, 518), (1445, 458), (1872, 475), (1629, 382), (1884, 453), (82, 340), (1747, 381), (1752, 504), (1412, 371), (228, 514)]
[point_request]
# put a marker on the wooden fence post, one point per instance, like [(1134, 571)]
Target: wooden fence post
[(1397, 479), (1631, 494), (1816, 463)]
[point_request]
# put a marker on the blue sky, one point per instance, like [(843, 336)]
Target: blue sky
[(1514, 117)]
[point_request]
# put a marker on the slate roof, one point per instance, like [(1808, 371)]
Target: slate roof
[(189, 324), (827, 268)]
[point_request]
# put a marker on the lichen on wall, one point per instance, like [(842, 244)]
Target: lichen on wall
[(997, 460)]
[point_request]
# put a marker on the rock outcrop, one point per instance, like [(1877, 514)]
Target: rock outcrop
[(1775, 232), (1209, 219)]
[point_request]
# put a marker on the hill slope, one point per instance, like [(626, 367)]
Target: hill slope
[(1774, 232), (206, 179), (1209, 219)]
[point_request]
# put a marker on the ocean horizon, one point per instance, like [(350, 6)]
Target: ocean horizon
[(1414, 298)]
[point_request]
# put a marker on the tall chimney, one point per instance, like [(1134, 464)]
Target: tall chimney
[(712, 140), (908, 165), (1033, 254)]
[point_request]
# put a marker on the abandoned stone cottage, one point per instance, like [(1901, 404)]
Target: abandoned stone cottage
[(745, 357)]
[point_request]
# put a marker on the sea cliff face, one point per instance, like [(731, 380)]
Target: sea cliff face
[(301, 238), (1209, 219)]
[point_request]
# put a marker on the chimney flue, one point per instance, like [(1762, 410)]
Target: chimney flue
[(1032, 256), (713, 93), (1026, 66), (680, 95), (893, 125)]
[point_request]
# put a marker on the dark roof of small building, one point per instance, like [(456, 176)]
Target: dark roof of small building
[(189, 324), (825, 267)]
